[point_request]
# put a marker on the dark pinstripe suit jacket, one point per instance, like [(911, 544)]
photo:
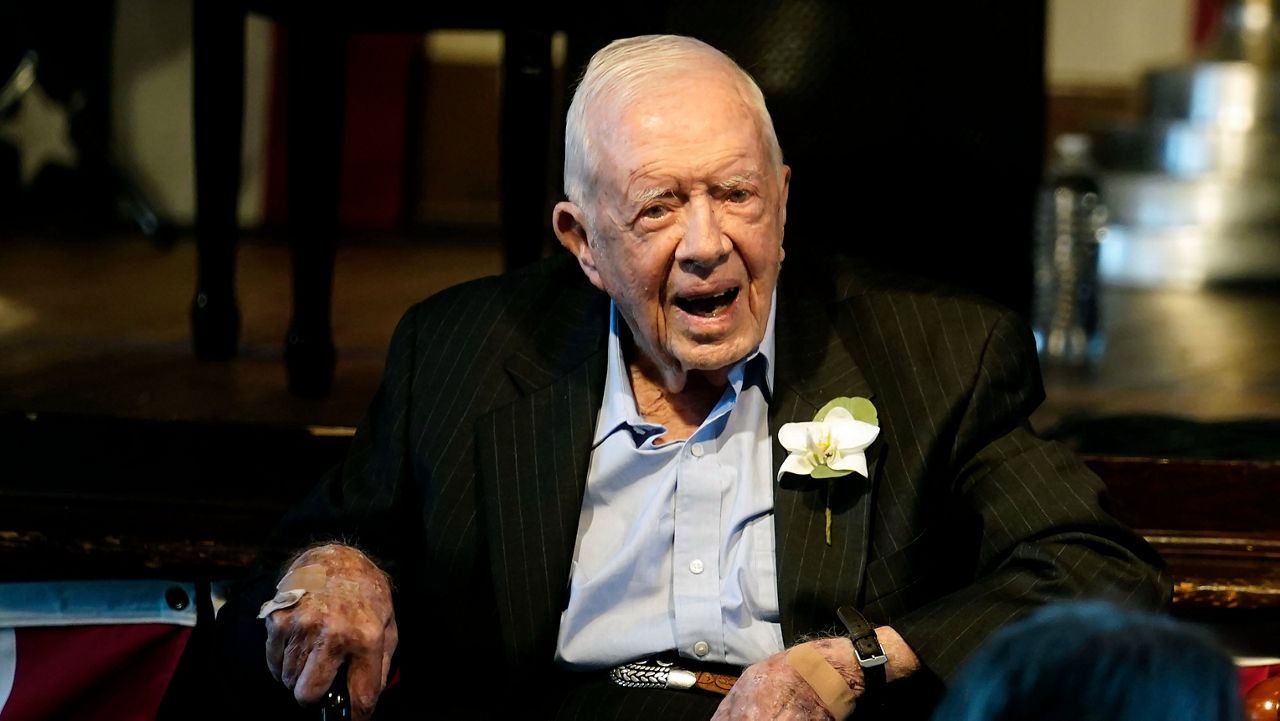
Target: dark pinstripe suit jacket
[(467, 475)]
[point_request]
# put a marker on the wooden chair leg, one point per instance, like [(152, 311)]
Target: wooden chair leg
[(526, 135), (317, 74), (218, 100)]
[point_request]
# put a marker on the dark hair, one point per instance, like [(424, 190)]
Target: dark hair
[(1093, 661)]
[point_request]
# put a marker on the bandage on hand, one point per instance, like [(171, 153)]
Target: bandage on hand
[(293, 587), (298, 582), (824, 679), (777, 687)]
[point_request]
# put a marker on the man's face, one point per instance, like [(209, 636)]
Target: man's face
[(686, 220)]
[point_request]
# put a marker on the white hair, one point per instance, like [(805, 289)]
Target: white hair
[(618, 72)]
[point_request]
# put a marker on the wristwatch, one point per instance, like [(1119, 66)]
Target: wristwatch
[(866, 648)]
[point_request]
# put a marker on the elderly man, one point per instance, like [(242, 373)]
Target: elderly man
[(563, 479)]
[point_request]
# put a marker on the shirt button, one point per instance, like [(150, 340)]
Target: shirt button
[(701, 648), (696, 565), (696, 450)]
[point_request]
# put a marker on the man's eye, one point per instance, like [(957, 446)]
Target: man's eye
[(739, 195), (654, 212)]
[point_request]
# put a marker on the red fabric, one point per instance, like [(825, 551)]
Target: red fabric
[(1204, 22), (93, 673), (374, 130), (1250, 676)]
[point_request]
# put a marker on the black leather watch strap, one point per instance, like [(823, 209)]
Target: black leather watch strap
[(866, 648)]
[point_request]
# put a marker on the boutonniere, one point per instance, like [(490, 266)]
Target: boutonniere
[(832, 445)]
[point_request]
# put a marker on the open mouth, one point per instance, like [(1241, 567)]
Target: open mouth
[(707, 306)]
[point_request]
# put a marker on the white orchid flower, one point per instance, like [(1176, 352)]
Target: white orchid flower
[(837, 442)]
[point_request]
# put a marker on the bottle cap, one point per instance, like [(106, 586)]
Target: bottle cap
[(1072, 146)]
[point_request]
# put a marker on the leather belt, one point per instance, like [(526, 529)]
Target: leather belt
[(675, 674)]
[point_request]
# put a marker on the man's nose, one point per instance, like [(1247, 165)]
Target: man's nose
[(704, 242)]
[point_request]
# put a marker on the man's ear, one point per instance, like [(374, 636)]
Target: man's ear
[(569, 222), (782, 198), (786, 191)]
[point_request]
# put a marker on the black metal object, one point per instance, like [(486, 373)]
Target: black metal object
[(336, 705)]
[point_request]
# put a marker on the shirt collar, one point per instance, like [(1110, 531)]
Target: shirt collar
[(619, 407)]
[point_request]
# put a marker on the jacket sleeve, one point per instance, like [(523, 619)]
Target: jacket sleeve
[(1035, 521), (365, 502)]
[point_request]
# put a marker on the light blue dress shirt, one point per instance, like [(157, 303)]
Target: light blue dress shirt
[(675, 546)]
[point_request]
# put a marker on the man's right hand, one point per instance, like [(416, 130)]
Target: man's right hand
[(350, 619)]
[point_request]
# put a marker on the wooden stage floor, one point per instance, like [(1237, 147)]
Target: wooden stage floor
[(100, 326)]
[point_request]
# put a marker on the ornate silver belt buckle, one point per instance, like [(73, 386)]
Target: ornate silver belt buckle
[(652, 673)]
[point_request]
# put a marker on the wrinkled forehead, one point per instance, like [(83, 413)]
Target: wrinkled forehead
[(674, 103)]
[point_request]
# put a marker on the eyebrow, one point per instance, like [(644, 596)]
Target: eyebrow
[(641, 197), (734, 181)]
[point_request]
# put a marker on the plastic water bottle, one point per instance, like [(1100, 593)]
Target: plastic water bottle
[(1071, 222)]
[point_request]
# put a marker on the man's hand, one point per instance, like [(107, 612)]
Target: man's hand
[(349, 619), (772, 689)]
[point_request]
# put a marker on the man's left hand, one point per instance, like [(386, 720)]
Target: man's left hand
[(772, 689)]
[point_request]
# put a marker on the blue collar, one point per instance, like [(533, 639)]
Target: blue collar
[(619, 407)]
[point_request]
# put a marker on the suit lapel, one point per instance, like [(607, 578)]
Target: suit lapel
[(533, 456), (813, 367)]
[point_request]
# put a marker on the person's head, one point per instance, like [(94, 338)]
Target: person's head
[(677, 199), (1093, 661)]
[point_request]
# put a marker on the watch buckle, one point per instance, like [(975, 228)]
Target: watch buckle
[(878, 659)]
